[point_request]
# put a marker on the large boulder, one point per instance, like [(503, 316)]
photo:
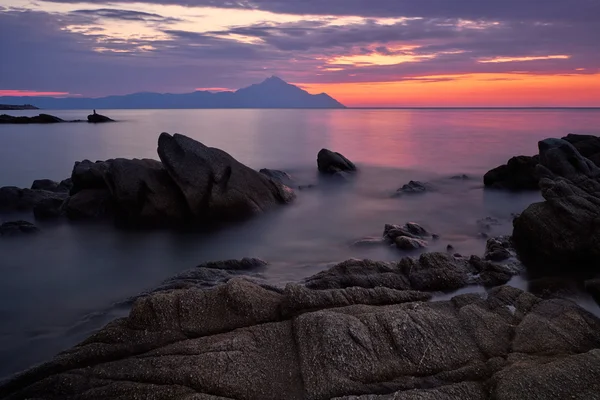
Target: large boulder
[(517, 174), (562, 231), (88, 175), (243, 341), (215, 186), (332, 163)]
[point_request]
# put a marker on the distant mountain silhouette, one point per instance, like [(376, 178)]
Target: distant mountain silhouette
[(271, 93)]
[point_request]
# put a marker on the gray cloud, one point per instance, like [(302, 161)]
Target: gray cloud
[(125, 15)]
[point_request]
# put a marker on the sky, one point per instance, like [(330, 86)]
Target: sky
[(391, 53)]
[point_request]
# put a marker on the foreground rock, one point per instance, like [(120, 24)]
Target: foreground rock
[(39, 119), (52, 186), (563, 231), (17, 228), (98, 118), (243, 341), (332, 163), (520, 172)]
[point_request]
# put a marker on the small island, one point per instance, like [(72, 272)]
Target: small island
[(50, 119), (17, 107)]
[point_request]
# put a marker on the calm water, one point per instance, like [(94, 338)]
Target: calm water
[(59, 286)]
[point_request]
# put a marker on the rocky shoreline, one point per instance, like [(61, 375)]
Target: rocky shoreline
[(49, 119), (359, 330)]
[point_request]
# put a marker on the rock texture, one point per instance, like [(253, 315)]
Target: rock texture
[(564, 230), (243, 341), (98, 118), (413, 187), (16, 199), (331, 163), (520, 172)]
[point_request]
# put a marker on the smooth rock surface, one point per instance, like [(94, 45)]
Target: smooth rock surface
[(331, 163)]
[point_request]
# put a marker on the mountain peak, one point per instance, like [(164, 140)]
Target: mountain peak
[(274, 80)]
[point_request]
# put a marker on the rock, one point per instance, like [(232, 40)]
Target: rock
[(40, 119), (562, 233), (48, 208), (593, 287), (90, 204), (518, 174), (498, 249), (552, 287), (216, 187), (242, 341), (98, 118), (329, 162), (370, 242), (16, 228), (412, 187), (416, 229), (15, 199), (143, 194), (483, 235), (278, 176), (461, 177), (587, 145), (487, 223), (52, 186), (450, 248), (407, 243), (89, 175), (410, 229), (435, 236)]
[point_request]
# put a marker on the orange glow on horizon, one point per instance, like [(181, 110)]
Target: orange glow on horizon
[(469, 90), (31, 93)]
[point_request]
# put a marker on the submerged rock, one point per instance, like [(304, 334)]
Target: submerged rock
[(16, 228), (329, 162), (407, 243), (243, 341), (498, 249), (413, 187), (562, 232)]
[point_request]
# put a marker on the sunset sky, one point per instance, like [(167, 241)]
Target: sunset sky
[(362, 52)]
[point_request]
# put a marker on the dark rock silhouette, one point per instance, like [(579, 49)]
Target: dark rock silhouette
[(40, 119), (52, 186), (271, 93), (49, 208), (17, 107), (98, 118), (520, 172), (413, 187), (563, 231), (16, 199), (333, 163)]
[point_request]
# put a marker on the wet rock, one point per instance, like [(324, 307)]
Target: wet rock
[(98, 118), (435, 236), (215, 186), (410, 229), (17, 228), (330, 162), (562, 233), (486, 224), (45, 184), (16, 199), (49, 208), (553, 287), (412, 187), (324, 344), (498, 249), (89, 175), (407, 243), (450, 248)]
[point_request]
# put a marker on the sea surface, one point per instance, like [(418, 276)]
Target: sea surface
[(59, 286)]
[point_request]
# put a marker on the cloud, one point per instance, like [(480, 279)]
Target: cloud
[(126, 15)]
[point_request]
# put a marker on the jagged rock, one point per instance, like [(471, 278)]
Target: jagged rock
[(329, 162), (16, 228), (98, 118), (242, 341), (39, 119), (215, 186), (562, 232), (410, 229), (413, 187), (407, 243), (370, 241), (48, 208), (498, 249), (15, 199)]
